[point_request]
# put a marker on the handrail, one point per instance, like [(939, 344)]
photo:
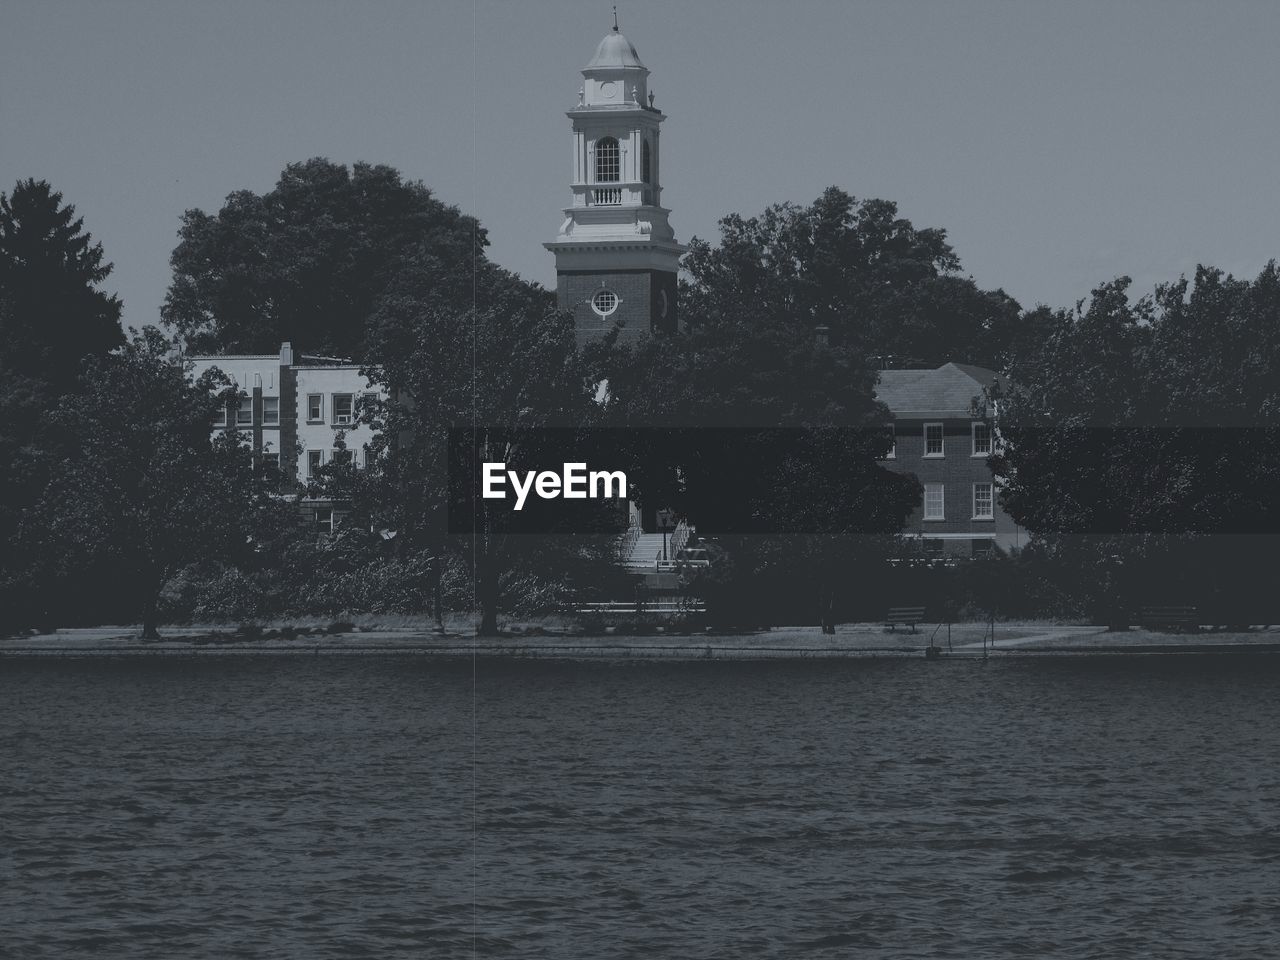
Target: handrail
[(627, 542), (672, 565), (679, 537)]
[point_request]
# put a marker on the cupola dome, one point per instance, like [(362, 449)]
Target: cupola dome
[(615, 52)]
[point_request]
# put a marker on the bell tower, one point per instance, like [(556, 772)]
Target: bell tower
[(616, 254)]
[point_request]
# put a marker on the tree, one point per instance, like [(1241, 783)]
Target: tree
[(309, 261), (53, 314), (764, 436), (146, 491), (880, 285), (507, 368), (1143, 438)]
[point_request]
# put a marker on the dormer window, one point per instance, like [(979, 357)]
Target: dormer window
[(608, 165)]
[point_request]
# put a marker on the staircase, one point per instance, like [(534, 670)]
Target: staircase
[(645, 552), (659, 585)]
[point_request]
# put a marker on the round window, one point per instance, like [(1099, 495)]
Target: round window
[(604, 302)]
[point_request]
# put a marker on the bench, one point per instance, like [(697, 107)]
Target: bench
[(905, 616), (1183, 618)]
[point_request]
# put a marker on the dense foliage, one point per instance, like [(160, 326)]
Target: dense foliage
[(50, 273), (147, 491), (310, 260), (508, 370), (754, 425), (883, 287), (53, 314), (1142, 439)]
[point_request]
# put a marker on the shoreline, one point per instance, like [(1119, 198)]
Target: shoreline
[(851, 641)]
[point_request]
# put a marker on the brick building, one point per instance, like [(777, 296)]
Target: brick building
[(938, 438)]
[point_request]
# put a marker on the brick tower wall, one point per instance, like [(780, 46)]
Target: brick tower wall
[(637, 315)]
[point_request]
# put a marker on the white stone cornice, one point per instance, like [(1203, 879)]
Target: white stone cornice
[(615, 110)]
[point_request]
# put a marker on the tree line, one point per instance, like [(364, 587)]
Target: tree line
[(117, 501)]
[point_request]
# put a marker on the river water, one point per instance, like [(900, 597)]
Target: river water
[(380, 807)]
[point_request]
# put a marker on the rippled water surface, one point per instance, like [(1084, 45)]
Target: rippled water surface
[(353, 807)]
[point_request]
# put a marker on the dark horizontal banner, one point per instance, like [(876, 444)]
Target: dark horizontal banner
[(732, 481), (1164, 481)]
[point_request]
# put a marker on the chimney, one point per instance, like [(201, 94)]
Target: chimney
[(286, 354)]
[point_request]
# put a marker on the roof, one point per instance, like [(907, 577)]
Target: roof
[(948, 391), (615, 51)]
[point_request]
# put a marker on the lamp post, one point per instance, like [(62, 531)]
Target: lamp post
[(665, 516)]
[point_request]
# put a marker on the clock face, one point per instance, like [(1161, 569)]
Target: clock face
[(608, 89)]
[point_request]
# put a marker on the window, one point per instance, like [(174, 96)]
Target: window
[(244, 412), (933, 439), (933, 500), (604, 302), (933, 547), (893, 444), (340, 457), (323, 519), (608, 167), (983, 502), (368, 400), (342, 408), (644, 163), (220, 416), (981, 440), (270, 411), (315, 460), (983, 548), (315, 408)]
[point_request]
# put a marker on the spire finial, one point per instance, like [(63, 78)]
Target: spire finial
[(615, 18)]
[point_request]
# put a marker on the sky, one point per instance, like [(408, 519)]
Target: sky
[(1060, 144)]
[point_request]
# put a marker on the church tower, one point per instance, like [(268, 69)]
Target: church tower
[(616, 255)]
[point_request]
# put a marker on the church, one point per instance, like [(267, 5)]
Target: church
[(617, 264), (616, 255)]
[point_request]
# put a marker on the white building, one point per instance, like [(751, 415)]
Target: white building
[(293, 411)]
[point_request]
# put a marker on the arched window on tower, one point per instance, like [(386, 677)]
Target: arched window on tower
[(608, 167)]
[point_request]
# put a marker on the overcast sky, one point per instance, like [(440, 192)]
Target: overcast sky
[(1059, 143)]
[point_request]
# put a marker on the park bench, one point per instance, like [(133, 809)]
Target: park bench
[(1180, 617), (904, 616)]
